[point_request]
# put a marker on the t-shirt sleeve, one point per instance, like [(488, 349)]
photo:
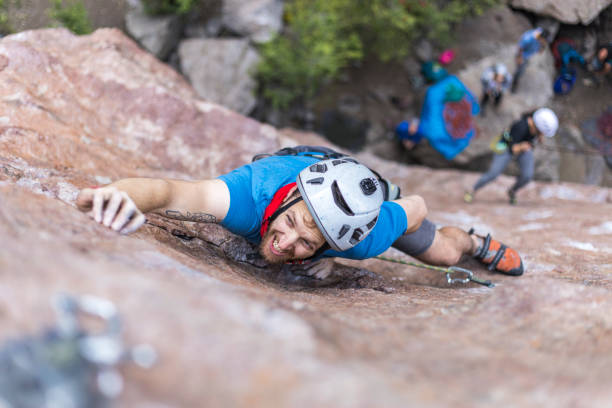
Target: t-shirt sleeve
[(392, 224), (241, 218)]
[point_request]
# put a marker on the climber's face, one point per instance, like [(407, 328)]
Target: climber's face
[(291, 236)]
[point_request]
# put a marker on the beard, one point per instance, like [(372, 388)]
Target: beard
[(268, 255)]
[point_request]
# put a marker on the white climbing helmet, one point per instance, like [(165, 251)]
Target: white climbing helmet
[(546, 121), (500, 69), (343, 197)]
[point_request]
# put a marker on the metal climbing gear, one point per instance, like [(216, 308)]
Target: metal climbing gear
[(499, 144), (454, 274), (67, 366)]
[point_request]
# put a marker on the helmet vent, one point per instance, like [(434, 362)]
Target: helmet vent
[(318, 180), (345, 228), (344, 160), (372, 223), (318, 168), (356, 236), (339, 200)]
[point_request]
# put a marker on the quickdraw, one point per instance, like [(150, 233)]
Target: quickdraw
[(451, 272)]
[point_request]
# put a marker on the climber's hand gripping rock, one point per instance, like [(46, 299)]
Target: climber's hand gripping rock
[(112, 208)]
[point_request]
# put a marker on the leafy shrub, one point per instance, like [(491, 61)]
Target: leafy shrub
[(322, 37), (317, 45), (159, 7), (72, 15), (5, 25)]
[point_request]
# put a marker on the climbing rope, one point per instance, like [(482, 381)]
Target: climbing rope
[(451, 272)]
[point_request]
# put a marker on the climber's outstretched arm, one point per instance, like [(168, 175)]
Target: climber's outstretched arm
[(121, 205)]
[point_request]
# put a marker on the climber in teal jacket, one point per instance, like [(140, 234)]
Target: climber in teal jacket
[(300, 209)]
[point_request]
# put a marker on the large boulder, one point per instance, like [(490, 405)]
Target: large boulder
[(157, 34), (204, 21), (230, 332), (478, 37), (258, 20), (159, 110), (566, 11), (221, 70)]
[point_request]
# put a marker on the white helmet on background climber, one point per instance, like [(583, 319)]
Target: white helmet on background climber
[(546, 121), (343, 197), (500, 69)]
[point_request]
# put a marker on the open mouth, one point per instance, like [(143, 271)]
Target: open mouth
[(275, 248)]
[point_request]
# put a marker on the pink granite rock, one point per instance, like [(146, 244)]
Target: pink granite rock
[(77, 111)]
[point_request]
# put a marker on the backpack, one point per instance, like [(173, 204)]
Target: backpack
[(390, 190)]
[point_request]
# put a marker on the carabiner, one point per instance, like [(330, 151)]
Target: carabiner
[(455, 269)]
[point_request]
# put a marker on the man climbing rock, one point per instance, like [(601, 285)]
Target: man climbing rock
[(518, 144), (531, 42), (302, 207)]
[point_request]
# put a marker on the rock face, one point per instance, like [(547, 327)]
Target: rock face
[(566, 11), (502, 26), (478, 52), (258, 20), (534, 91), (475, 53), (387, 95), (220, 70), (157, 34), (80, 111)]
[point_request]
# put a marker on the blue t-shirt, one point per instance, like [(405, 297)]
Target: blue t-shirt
[(253, 185), (529, 44)]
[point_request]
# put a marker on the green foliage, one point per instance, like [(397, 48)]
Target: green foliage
[(435, 19), (5, 25), (317, 45), (324, 36), (159, 7), (72, 15)]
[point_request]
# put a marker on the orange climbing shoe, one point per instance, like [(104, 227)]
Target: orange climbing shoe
[(499, 257)]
